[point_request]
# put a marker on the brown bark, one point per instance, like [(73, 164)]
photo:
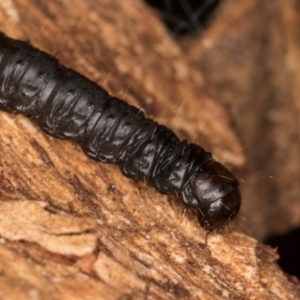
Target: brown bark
[(73, 228)]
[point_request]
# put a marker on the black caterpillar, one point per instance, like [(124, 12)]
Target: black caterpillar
[(66, 104)]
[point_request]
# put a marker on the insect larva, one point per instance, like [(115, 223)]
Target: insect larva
[(66, 104)]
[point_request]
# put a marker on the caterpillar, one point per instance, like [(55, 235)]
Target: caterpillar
[(66, 104)]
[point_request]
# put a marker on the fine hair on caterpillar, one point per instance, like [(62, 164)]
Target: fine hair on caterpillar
[(68, 105)]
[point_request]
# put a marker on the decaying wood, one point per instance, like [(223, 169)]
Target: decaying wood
[(73, 228)]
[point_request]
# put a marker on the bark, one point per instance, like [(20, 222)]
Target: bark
[(74, 228)]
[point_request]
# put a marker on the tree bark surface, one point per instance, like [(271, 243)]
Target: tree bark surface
[(74, 228)]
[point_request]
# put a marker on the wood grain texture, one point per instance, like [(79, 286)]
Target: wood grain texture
[(73, 228)]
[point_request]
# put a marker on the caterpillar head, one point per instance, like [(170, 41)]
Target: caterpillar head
[(218, 196), (217, 214)]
